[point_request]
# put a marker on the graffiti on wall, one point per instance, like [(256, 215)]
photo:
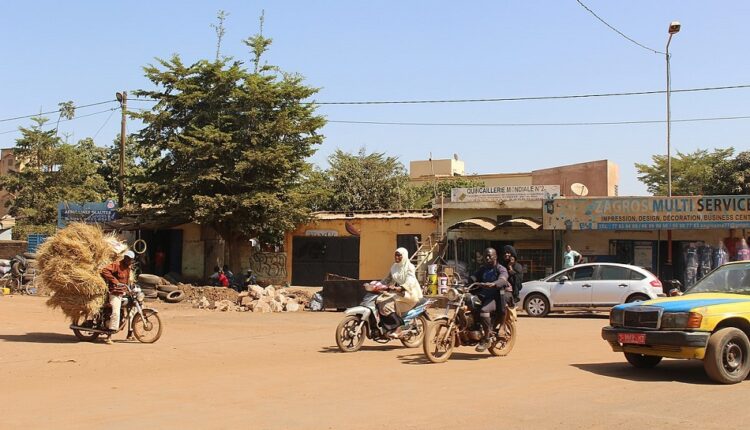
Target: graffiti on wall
[(269, 267)]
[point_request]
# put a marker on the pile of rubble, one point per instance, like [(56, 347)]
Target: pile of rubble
[(256, 299)]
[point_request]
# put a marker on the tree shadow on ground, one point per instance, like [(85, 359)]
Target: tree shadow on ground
[(420, 358), (39, 338), (684, 371), (335, 349)]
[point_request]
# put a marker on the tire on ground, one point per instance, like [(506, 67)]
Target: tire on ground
[(145, 278), (28, 277), (727, 357), (31, 264), (162, 295), (175, 297), (29, 255), (167, 288)]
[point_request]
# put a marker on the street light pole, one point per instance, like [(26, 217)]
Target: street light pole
[(674, 28)]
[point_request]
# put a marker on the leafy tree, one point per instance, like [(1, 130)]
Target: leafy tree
[(691, 173), (228, 146), (731, 176), (136, 162), (365, 182), (50, 172), (424, 194)]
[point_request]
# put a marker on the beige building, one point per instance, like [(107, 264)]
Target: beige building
[(358, 245)]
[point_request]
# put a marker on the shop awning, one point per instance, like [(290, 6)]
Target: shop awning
[(535, 224), (485, 223)]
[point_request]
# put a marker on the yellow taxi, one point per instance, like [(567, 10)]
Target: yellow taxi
[(709, 322)]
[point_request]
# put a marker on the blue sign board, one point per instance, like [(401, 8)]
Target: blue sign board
[(89, 212)]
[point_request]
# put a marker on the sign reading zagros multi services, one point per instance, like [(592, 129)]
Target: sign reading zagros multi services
[(648, 213), (505, 192)]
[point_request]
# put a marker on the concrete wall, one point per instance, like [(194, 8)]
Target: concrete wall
[(377, 239), (450, 167), (600, 177), (193, 256), (11, 248)]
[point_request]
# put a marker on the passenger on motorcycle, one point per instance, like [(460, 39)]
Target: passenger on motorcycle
[(117, 277), (494, 280), (402, 277), (515, 271)]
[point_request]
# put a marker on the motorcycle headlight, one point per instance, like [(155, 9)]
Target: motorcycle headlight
[(140, 296), (616, 317), (452, 294), (681, 320)]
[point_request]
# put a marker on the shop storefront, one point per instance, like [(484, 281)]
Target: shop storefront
[(677, 238)]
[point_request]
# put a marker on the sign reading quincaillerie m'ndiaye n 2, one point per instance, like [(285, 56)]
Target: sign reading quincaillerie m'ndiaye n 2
[(505, 193), (648, 213)]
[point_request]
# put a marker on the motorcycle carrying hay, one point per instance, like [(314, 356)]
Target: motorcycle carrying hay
[(69, 265)]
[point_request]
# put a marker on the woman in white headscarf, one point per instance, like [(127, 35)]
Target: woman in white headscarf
[(407, 291)]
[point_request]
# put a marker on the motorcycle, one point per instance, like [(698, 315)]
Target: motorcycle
[(365, 321), (143, 323), (462, 327)]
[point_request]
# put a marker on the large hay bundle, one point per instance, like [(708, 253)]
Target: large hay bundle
[(69, 264)]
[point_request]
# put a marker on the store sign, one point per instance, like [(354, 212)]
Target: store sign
[(505, 193), (648, 213), (89, 212), (327, 233)]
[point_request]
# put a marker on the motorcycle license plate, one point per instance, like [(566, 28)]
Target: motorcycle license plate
[(632, 338)]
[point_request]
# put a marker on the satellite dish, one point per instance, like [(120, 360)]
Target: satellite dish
[(455, 157), (579, 189)]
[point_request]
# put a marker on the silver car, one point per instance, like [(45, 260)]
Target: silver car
[(593, 286)]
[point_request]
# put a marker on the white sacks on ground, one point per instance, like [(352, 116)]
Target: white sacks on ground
[(292, 306)]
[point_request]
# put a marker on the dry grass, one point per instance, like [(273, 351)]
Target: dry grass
[(69, 265)]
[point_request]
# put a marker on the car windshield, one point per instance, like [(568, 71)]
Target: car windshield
[(731, 278)]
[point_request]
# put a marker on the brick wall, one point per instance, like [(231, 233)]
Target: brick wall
[(10, 248)]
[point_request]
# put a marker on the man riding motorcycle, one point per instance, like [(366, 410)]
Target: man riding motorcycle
[(402, 277), (494, 280), (117, 277)]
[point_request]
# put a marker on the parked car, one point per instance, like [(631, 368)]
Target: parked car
[(593, 286), (709, 322)]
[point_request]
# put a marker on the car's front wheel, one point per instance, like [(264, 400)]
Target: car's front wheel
[(642, 361), (727, 360)]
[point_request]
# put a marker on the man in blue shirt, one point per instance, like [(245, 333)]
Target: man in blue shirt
[(494, 280)]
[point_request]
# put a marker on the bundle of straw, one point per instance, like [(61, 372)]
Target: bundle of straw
[(69, 265)]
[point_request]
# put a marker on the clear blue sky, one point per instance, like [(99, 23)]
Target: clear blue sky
[(85, 51)]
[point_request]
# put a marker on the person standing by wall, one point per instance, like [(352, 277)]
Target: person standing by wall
[(570, 257)]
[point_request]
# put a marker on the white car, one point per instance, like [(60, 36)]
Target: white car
[(593, 286)]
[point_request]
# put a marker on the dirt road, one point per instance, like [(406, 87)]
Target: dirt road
[(283, 371)]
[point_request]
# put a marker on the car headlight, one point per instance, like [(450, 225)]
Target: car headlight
[(616, 317), (140, 296), (681, 320), (452, 294)]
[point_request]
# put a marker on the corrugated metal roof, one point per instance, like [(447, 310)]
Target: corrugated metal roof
[(374, 215)]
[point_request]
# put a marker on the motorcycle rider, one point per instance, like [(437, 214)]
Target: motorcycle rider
[(493, 278), (117, 277), (402, 277), (515, 271)]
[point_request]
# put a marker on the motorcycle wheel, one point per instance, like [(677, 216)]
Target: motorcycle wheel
[(504, 345), (85, 336), (415, 340), (349, 335), (438, 342), (147, 329)]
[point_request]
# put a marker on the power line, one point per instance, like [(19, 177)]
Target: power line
[(71, 119), (105, 123), (537, 124), (529, 98), (55, 111), (618, 31)]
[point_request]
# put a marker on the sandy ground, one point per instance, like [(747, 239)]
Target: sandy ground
[(283, 371)]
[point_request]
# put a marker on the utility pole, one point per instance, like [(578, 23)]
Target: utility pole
[(123, 99)]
